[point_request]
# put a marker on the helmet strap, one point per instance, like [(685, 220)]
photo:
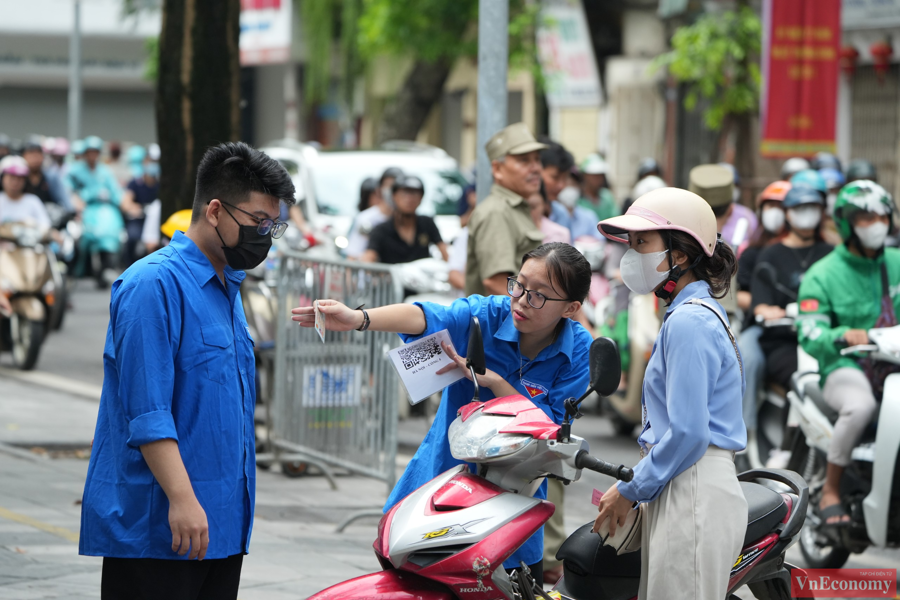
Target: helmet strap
[(665, 291)]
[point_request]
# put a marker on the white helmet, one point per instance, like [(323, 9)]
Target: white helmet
[(792, 166), (666, 208), (647, 184)]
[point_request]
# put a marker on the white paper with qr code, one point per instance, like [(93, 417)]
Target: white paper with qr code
[(418, 362)]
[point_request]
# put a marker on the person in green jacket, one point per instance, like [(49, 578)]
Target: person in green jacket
[(851, 290)]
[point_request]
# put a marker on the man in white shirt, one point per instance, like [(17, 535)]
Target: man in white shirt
[(15, 205)]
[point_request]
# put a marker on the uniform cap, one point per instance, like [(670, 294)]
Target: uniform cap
[(713, 183), (512, 139)]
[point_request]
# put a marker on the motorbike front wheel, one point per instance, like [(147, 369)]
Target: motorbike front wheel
[(26, 336)]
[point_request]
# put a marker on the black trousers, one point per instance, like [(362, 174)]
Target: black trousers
[(157, 579)]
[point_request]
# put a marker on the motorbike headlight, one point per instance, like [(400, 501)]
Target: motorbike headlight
[(479, 438)]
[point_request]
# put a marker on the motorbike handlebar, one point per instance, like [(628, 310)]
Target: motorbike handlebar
[(583, 460)]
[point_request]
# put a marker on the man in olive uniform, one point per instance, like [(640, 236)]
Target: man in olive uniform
[(501, 230), (715, 184)]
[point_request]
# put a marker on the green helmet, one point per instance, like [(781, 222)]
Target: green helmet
[(861, 195)]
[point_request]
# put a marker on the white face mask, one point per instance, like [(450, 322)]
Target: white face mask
[(639, 272), (806, 217), (772, 219), (873, 236), (569, 196), (387, 195)]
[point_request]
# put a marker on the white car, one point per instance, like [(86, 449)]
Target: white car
[(328, 182)]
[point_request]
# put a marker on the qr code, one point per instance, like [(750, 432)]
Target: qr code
[(417, 354)]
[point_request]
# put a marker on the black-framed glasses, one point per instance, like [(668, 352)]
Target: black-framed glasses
[(264, 226), (535, 299)]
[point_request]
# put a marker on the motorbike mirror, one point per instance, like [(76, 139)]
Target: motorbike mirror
[(606, 366), (475, 353)]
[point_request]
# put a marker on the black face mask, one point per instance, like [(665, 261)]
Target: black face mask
[(251, 249)]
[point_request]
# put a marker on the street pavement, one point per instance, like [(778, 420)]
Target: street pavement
[(46, 424)]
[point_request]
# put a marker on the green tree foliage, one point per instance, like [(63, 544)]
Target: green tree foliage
[(717, 57), (430, 31)]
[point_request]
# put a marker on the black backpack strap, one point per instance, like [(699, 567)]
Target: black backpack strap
[(699, 302)]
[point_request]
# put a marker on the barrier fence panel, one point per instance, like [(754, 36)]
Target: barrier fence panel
[(335, 404)]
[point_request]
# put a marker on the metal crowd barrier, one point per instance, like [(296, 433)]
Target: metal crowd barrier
[(335, 404)]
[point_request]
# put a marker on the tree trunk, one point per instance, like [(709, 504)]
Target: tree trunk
[(407, 113), (198, 89)]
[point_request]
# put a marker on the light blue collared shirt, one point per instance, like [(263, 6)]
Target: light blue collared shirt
[(692, 392), (581, 222)]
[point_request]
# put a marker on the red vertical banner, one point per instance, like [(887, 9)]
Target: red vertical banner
[(801, 43)]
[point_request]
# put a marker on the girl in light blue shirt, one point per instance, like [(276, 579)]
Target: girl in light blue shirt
[(694, 513)]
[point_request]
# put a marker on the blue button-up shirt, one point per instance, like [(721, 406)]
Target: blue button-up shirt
[(692, 393), (178, 364), (581, 221), (559, 371)]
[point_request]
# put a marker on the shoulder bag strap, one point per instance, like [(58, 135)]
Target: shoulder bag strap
[(698, 302)]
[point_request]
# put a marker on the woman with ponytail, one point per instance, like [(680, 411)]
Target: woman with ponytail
[(694, 513)]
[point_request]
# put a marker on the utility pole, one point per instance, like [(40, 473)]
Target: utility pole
[(493, 52), (75, 75)]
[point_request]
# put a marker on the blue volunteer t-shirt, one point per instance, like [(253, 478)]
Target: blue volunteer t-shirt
[(178, 364), (558, 372)]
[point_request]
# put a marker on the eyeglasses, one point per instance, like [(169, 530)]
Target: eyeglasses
[(535, 299), (265, 226)]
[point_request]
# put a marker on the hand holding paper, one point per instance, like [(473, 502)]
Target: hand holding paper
[(425, 366)]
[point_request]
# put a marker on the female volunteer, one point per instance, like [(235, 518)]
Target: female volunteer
[(531, 345), (695, 515)]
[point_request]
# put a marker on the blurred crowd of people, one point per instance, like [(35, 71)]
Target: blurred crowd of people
[(110, 197)]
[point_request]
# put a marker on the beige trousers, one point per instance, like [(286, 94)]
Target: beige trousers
[(692, 533), (554, 529)]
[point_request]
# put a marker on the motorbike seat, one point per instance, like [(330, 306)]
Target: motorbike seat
[(585, 553), (813, 391), (592, 570), (765, 509)]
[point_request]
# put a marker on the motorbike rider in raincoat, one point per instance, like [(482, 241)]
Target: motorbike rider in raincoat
[(96, 186)]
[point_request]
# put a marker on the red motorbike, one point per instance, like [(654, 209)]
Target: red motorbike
[(449, 538)]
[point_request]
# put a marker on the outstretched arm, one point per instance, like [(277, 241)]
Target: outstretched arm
[(396, 318)]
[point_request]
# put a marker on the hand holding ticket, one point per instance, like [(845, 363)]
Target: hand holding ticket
[(320, 322)]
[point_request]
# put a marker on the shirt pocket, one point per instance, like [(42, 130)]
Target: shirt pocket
[(532, 240), (218, 344)]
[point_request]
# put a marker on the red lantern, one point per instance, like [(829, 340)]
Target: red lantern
[(849, 56), (881, 55)]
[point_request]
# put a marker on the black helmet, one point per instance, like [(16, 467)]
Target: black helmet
[(408, 182), (826, 160), (649, 166), (391, 172), (861, 169)]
